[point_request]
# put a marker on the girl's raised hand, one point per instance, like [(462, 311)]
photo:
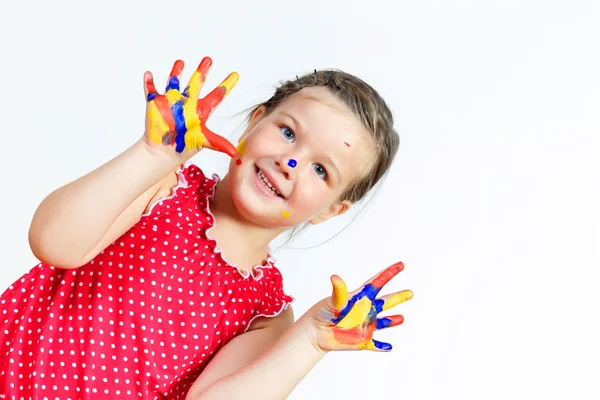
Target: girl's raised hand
[(347, 321), (177, 121)]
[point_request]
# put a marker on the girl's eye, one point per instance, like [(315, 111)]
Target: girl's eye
[(288, 133), (321, 173)]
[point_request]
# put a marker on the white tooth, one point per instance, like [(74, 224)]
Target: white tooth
[(267, 182)]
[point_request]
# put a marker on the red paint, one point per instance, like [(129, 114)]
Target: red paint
[(238, 161), (165, 111), (354, 336), (177, 68), (217, 142), (214, 98), (396, 320), (150, 86), (347, 144), (385, 276), (204, 67)]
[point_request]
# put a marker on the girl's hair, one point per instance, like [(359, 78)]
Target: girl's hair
[(369, 108)]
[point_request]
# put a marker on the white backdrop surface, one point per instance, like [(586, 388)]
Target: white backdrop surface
[(492, 203)]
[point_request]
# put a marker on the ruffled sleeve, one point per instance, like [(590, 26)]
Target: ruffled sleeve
[(274, 300)]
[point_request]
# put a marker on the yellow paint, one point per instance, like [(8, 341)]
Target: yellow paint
[(173, 96), (357, 315), (396, 299), (230, 82), (241, 149), (156, 124), (340, 291), (370, 345), (195, 84), (194, 138), (285, 214)]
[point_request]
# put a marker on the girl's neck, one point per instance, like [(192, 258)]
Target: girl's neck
[(243, 243)]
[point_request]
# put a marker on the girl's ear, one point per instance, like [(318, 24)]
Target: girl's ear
[(334, 210), (256, 116)]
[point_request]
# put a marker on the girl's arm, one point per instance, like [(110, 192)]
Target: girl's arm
[(250, 367), (74, 223), (264, 363)]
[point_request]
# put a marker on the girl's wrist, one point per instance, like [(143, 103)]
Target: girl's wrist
[(311, 333), (159, 156)]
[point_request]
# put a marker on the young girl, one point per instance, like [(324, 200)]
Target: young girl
[(156, 280)]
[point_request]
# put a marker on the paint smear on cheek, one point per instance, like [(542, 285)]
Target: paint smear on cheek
[(285, 214), (347, 144), (238, 161), (241, 147)]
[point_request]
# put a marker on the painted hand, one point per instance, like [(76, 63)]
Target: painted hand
[(347, 321), (178, 119)]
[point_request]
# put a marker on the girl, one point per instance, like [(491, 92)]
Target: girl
[(140, 293)]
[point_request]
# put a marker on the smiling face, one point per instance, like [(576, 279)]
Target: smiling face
[(298, 159)]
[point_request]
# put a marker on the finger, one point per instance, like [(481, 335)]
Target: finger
[(388, 322), (392, 267), (373, 286), (392, 300), (180, 126), (387, 274), (175, 76), (339, 297), (149, 89), (218, 143), (379, 346), (214, 98), (197, 79)]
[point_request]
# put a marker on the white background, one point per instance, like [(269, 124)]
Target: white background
[(492, 203)]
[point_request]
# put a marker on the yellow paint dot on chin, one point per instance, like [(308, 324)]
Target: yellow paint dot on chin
[(285, 214)]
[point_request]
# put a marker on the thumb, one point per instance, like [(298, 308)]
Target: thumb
[(218, 143), (339, 296)]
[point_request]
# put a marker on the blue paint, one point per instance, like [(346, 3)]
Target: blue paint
[(173, 83), (151, 96), (180, 127), (379, 305), (370, 292), (383, 323), (292, 163), (382, 345)]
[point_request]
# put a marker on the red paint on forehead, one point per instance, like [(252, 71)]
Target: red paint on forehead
[(347, 144)]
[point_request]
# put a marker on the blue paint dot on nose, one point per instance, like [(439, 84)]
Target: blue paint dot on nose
[(292, 163)]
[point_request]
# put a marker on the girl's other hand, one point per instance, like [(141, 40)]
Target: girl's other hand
[(347, 321), (176, 121)]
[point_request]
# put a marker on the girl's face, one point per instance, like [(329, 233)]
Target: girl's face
[(297, 160)]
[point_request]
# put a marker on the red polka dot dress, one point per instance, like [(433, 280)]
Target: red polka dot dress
[(143, 318)]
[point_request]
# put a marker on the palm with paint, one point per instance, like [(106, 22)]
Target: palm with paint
[(177, 121), (347, 321)]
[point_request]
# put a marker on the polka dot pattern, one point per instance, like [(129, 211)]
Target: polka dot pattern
[(143, 318)]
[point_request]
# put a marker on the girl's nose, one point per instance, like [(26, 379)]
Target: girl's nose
[(287, 165)]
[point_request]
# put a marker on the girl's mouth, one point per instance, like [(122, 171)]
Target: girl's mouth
[(266, 183)]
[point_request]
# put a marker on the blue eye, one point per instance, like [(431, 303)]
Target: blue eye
[(288, 133), (320, 171)]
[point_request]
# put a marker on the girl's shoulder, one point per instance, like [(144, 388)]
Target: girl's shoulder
[(193, 187)]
